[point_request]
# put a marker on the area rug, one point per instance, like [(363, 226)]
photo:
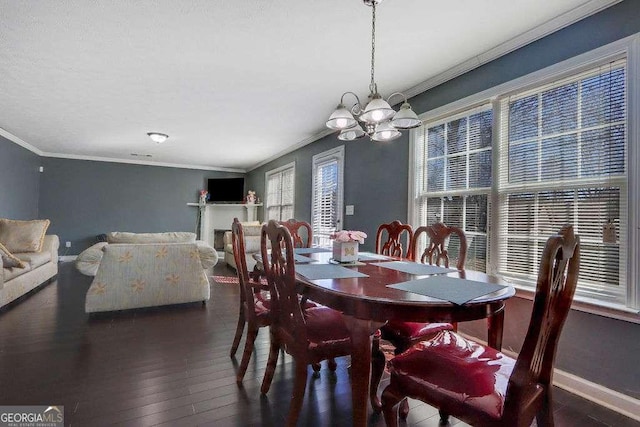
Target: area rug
[(232, 280)]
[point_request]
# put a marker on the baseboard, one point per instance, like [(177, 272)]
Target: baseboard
[(67, 258), (596, 393)]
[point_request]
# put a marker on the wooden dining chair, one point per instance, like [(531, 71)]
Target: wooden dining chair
[(390, 238), (404, 334), (310, 335), (254, 302), (303, 240), (478, 384)]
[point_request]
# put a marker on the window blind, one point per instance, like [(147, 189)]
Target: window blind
[(327, 197), (563, 154), (280, 193), (453, 179)]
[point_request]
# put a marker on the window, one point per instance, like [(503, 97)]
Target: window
[(454, 178), (513, 164), (280, 192), (326, 208)]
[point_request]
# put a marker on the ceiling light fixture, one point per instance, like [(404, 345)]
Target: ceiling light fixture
[(380, 121), (157, 137)]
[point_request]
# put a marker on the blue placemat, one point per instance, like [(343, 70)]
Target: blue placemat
[(299, 259), (327, 271), (310, 250), (415, 267), (370, 256), (458, 291)]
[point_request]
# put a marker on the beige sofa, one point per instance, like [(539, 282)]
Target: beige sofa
[(25, 269), (133, 270), (252, 232)]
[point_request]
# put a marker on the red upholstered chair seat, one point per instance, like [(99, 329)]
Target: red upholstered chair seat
[(403, 334), (262, 303), (451, 367), (325, 326)]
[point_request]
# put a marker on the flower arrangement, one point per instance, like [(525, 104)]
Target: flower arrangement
[(251, 197), (204, 196), (348, 236)]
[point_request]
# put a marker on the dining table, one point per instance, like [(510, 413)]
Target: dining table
[(374, 292)]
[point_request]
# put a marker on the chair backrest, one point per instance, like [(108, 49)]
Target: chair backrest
[(239, 255), (299, 241), (557, 279), (279, 268), (395, 232), (436, 251)]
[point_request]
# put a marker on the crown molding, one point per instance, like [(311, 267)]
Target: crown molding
[(11, 137), (140, 162)]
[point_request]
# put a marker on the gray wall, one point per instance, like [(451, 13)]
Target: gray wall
[(376, 178), (19, 181), (86, 198)]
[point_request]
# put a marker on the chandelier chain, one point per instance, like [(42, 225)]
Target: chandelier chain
[(372, 86)]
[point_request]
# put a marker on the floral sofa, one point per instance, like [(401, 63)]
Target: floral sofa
[(133, 270), (28, 257)]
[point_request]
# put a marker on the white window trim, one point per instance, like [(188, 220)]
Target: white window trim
[(628, 47), (337, 153), (267, 174)]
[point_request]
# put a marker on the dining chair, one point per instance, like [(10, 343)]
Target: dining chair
[(478, 384), (390, 238), (309, 336), (254, 302), (404, 334), (303, 240)]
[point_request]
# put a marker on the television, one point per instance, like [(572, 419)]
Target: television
[(226, 190)]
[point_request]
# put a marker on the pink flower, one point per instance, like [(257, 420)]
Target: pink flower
[(348, 236)]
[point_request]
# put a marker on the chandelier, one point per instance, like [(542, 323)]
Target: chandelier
[(379, 121)]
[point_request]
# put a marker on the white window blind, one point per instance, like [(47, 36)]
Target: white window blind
[(280, 192), (563, 161), (326, 209), (453, 179)]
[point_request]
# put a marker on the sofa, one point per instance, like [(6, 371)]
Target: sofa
[(135, 270), (28, 257), (252, 232)]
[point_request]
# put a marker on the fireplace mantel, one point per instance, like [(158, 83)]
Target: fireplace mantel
[(219, 216)]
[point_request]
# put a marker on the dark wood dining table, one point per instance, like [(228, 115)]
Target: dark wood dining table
[(368, 303)]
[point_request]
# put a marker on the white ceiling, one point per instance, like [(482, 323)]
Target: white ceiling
[(233, 82)]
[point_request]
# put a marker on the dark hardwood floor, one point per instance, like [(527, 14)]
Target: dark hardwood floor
[(170, 366)]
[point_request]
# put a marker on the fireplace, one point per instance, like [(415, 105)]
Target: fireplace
[(218, 239)]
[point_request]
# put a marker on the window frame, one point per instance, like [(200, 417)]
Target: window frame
[(628, 48), (280, 170)]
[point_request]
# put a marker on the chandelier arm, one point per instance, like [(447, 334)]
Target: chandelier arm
[(357, 107), (396, 93)]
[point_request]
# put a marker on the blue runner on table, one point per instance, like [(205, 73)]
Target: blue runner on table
[(415, 267), (327, 271), (370, 256), (455, 290)]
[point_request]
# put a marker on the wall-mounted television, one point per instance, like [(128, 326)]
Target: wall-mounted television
[(226, 190)]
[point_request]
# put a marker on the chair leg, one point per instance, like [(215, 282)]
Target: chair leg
[(274, 351), (377, 368), (239, 330), (331, 363), (444, 418), (390, 401), (297, 394), (252, 333), (544, 417), (403, 410)]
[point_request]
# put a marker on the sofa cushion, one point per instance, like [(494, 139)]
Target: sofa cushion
[(252, 230), (35, 259), (168, 237), (8, 259), (12, 273), (23, 236)]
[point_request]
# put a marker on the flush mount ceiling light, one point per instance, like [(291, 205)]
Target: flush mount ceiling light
[(379, 121), (157, 137)]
